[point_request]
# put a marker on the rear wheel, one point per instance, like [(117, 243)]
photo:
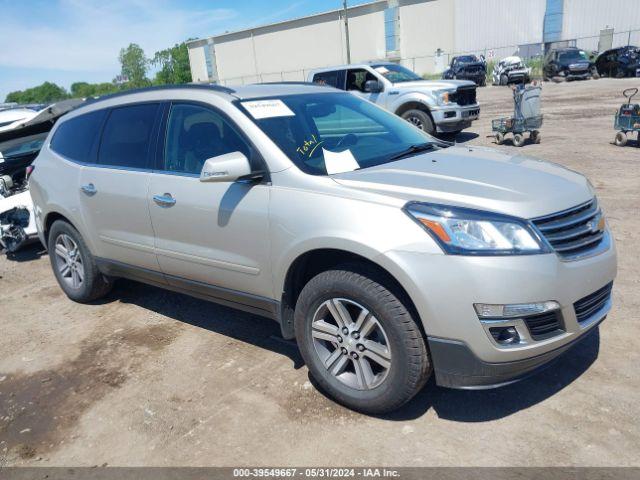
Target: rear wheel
[(621, 139), (518, 139), (420, 119), (360, 342), (74, 266), (535, 136)]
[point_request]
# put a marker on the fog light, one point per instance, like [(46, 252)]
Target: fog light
[(505, 335), (449, 114), (488, 310)]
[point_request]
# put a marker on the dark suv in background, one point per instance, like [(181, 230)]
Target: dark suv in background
[(467, 67), (569, 63), (619, 62)]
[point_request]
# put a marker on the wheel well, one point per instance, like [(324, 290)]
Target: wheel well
[(413, 106), (311, 263), (52, 217)]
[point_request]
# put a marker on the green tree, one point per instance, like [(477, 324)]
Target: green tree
[(84, 89), (45, 93), (173, 64), (134, 66)]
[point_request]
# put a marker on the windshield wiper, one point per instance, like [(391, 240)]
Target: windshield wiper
[(412, 150)]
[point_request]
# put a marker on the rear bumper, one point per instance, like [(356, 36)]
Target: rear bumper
[(456, 366)]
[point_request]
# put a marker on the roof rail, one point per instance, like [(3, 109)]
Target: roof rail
[(195, 86), (311, 84)]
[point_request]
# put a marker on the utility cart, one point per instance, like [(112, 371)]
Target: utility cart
[(526, 116), (627, 119)]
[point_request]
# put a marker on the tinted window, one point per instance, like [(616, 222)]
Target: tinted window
[(76, 137), (327, 78), (196, 133), (126, 136)]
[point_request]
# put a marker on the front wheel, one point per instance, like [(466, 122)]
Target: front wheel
[(504, 80), (74, 266), (420, 119), (360, 342)]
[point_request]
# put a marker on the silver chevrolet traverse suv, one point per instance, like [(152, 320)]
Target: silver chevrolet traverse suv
[(386, 254)]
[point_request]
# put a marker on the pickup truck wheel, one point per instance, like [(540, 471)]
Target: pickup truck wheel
[(359, 341), (420, 119), (73, 265), (504, 80)]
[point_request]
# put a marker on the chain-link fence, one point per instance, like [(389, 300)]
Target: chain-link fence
[(430, 66)]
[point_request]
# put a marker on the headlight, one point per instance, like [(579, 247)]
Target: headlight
[(442, 96), (464, 231)]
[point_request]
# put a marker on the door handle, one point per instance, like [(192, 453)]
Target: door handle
[(165, 200), (89, 189)]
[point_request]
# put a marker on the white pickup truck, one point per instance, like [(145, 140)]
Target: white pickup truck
[(435, 106)]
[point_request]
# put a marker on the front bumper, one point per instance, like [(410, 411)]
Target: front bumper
[(577, 75), (454, 117), (445, 287), (456, 366)]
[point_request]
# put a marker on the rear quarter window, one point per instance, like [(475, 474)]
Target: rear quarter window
[(76, 138), (126, 136)]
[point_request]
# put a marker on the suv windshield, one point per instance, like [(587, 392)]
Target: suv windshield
[(327, 133), (395, 73), (572, 56)]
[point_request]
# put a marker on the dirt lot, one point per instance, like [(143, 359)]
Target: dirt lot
[(148, 377)]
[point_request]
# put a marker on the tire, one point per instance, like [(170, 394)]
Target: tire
[(73, 265), (395, 332), (420, 119), (621, 139), (504, 80), (499, 138), (483, 82), (518, 139)]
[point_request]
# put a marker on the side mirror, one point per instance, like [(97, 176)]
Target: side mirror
[(373, 86), (225, 168)]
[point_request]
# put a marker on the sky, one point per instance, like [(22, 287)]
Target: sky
[(66, 41)]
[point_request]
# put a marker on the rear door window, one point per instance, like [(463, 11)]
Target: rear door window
[(329, 78), (76, 138), (126, 138)]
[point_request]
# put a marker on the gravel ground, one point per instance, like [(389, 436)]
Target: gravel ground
[(148, 377)]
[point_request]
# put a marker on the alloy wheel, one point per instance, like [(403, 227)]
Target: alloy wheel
[(69, 261), (351, 343), (416, 121)]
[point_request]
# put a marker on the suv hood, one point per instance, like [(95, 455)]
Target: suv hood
[(433, 84), (476, 177)]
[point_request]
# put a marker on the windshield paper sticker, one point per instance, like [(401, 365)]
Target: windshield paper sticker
[(381, 69), (339, 162), (309, 146), (267, 109)]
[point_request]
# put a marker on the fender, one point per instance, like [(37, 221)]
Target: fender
[(424, 98)]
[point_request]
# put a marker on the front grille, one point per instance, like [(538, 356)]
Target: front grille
[(574, 231), (587, 306), (465, 96), (544, 325)]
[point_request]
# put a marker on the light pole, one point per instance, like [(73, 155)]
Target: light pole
[(346, 30)]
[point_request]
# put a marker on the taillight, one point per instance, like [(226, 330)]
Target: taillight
[(30, 170)]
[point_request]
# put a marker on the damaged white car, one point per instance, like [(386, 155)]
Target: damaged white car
[(511, 70), (20, 143)]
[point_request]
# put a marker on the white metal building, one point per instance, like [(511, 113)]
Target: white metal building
[(421, 34)]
